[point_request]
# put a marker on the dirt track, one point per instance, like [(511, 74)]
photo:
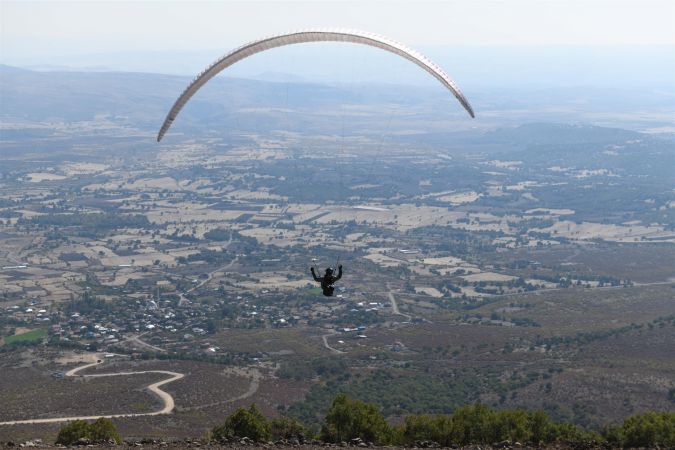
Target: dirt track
[(165, 397), (253, 387)]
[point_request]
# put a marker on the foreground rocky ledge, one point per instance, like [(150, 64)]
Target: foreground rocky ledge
[(251, 445)]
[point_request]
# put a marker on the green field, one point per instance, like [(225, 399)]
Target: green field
[(30, 336), (315, 291)]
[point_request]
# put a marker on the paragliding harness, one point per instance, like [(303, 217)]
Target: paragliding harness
[(328, 279)]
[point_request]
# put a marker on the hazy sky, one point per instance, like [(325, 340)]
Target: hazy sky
[(31, 29)]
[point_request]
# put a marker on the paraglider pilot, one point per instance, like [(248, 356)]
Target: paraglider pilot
[(327, 280)]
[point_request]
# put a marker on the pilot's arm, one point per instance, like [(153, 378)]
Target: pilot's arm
[(339, 275), (314, 276)]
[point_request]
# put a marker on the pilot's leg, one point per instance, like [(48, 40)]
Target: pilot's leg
[(328, 291)]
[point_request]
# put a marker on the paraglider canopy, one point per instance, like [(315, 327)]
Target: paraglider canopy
[(314, 35)]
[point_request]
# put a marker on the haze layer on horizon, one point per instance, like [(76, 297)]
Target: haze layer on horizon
[(484, 42)]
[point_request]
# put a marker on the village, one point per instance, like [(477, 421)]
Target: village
[(144, 259)]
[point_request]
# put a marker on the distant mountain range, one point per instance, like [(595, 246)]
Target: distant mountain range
[(141, 100), (487, 67)]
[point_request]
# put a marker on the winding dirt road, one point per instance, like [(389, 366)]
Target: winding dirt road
[(184, 300), (394, 306), (327, 345), (253, 387), (165, 397), (137, 340)]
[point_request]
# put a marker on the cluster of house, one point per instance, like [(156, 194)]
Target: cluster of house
[(167, 323), (369, 306), (80, 328), (31, 313), (109, 326), (358, 331)]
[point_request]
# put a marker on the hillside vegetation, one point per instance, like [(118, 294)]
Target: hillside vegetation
[(350, 420)]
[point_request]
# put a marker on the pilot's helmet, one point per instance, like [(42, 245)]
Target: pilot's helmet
[(329, 270)]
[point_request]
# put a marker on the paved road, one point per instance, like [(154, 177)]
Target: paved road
[(165, 397)]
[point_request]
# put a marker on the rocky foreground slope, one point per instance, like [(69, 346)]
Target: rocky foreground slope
[(250, 445)]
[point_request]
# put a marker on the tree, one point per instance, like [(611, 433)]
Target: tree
[(244, 422), (348, 419)]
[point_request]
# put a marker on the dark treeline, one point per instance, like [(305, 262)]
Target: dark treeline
[(90, 224), (354, 421), (348, 420)]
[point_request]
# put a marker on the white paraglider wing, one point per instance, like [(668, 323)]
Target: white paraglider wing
[(356, 37)]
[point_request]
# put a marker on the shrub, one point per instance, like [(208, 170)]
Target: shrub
[(478, 424), (348, 419), (287, 428), (567, 432), (473, 424), (437, 428), (70, 433), (513, 425), (244, 422), (102, 430), (650, 429)]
